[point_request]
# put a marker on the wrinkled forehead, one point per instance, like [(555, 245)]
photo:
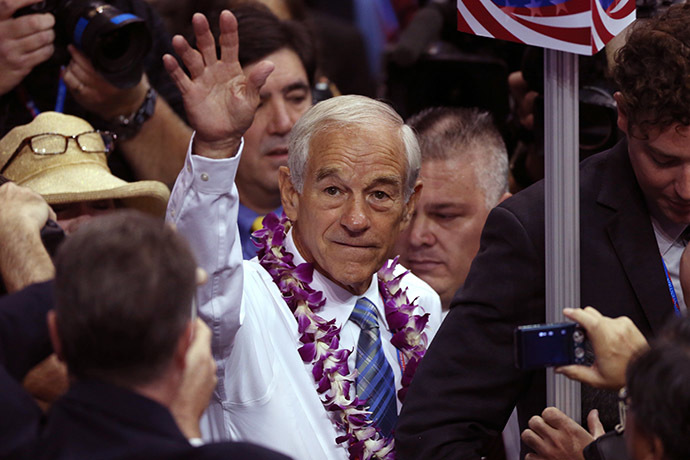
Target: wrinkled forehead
[(47, 122), (364, 138)]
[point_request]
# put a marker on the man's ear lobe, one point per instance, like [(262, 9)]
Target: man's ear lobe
[(622, 120), (183, 344), (289, 196), (411, 204), (51, 319)]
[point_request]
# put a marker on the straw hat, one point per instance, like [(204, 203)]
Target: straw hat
[(74, 176)]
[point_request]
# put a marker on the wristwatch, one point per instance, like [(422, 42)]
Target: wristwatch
[(127, 127)]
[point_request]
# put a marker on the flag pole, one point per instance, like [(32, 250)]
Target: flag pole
[(562, 208)]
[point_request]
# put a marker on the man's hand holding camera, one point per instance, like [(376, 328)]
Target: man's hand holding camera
[(615, 342), (93, 92), (25, 42)]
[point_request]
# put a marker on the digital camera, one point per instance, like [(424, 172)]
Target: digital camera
[(115, 42), (545, 345)]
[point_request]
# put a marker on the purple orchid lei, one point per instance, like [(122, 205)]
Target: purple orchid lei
[(321, 339)]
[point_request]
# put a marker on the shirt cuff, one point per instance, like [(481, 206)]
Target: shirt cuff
[(210, 175), (196, 442)]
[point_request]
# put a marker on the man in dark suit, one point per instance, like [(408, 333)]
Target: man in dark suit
[(635, 205), (123, 324)]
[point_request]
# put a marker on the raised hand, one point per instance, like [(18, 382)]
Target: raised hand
[(25, 42), (219, 98)]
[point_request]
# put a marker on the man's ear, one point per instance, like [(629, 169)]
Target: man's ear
[(51, 319), (289, 196), (411, 204), (183, 344), (622, 115)]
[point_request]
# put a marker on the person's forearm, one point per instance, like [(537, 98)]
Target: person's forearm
[(157, 152), (25, 261)]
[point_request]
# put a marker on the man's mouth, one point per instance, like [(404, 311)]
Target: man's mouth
[(277, 152), (423, 264), (355, 245)]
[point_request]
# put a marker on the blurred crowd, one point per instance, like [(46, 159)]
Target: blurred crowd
[(233, 229)]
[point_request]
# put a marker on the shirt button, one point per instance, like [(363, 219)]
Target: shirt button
[(189, 167), (172, 213), (204, 177)]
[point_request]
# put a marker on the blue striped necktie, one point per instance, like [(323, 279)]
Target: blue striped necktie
[(375, 381)]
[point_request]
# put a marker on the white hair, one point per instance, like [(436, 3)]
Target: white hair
[(350, 111), (469, 134)]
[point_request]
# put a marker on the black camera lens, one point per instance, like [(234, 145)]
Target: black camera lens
[(115, 42), (578, 336)]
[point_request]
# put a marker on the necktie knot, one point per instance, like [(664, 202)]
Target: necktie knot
[(364, 315)]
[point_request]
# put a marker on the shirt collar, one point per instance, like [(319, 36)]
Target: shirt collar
[(666, 232)]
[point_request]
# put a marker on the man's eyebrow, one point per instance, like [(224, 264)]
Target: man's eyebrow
[(445, 205), (323, 173), (294, 86), (298, 85), (658, 152), (385, 180)]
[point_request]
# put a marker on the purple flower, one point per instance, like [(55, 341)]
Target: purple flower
[(321, 338)]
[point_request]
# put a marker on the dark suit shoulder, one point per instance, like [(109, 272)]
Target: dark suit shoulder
[(236, 450)]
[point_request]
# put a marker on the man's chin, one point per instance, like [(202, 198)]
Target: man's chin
[(678, 214)]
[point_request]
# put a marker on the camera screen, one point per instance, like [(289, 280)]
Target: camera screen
[(544, 345)]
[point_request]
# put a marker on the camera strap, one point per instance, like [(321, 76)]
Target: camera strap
[(30, 104), (671, 289)]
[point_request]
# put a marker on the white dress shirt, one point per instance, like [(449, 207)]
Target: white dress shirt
[(265, 394)]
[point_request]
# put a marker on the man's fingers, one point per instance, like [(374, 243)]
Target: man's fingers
[(202, 333), (259, 74), (33, 58), (541, 427), (176, 73), (229, 41), (9, 7), (191, 58), (587, 317), (79, 59), (204, 39), (530, 438), (585, 374), (35, 41), (596, 429), (201, 276)]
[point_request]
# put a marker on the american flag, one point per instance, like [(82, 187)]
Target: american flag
[(577, 26)]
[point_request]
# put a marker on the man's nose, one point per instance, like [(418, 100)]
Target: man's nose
[(282, 120), (683, 183), (355, 216), (421, 232)]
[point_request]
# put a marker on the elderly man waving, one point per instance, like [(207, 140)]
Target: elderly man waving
[(316, 339)]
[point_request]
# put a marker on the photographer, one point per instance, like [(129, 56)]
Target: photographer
[(40, 71)]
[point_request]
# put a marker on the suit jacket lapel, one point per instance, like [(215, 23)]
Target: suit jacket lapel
[(632, 236)]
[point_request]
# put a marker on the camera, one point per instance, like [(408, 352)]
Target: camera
[(545, 345), (115, 42)]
